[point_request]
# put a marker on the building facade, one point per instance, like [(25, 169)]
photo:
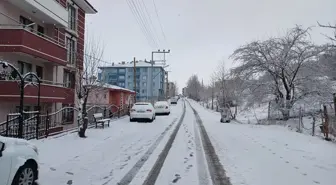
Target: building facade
[(45, 37), (111, 96), (122, 74), (171, 89)]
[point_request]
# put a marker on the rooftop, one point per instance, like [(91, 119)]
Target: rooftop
[(86, 6), (130, 64), (111, 87)]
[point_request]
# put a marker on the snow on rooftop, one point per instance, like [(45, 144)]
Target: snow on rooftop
[(109, 86), (131, 64)]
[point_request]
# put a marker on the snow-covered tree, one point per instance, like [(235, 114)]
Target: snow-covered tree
[(331, 38), (193, 88), (284, 69), (87, 80)]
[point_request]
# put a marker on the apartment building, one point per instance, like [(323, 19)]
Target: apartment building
[(171, 89), (45, 37), (122, 74)]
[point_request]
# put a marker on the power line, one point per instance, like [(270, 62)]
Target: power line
[(141, 22), (144, 21), (158, 17), (150, 21)]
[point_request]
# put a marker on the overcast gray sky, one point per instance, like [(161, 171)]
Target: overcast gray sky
[(200, 33)]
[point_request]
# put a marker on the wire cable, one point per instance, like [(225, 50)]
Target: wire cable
[(158, 17)]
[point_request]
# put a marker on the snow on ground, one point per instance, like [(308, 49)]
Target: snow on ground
[(104, 157), (180, 166), (263, 155), (252, 115)]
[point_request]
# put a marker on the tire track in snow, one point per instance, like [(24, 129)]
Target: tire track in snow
[(216, 170), (127, 179), (155, 171), (203, 175)]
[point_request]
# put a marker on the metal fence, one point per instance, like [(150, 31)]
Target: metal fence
[(41, 126)]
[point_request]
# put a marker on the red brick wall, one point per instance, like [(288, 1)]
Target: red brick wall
[(81, 36)]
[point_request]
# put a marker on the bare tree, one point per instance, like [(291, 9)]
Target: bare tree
[(222, 79), (329, 26), (193, 88), (213, 89), (87, 79), (280, 68)]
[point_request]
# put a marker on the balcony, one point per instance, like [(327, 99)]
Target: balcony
[(18, 39), (49, 11), (50, 92)]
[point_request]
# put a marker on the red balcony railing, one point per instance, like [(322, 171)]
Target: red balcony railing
[(50, 92), (19, 39)]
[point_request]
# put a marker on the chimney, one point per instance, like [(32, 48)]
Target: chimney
[(123, 62)]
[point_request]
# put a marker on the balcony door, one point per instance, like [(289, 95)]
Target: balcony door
[(25, 21), (24, 67), (69, 79)]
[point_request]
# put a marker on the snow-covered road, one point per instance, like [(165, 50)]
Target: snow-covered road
[(185, 163), (104, 157), (265, 155), (132, 153)]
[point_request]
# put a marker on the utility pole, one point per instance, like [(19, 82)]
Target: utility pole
[(134, 78), (152, 62), (167, 85)]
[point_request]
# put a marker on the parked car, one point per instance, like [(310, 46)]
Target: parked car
[(225, 115), (18, 162), (142, 110), (162, 107), (173, 100)]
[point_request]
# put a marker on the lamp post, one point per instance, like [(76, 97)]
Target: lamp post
[(22, 86)]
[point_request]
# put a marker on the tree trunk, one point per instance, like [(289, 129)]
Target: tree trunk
[(83, 127), (212, 98)]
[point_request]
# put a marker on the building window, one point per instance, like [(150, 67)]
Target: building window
[(40, 30), (122, 77), (113, 70), (122, 70), (39, 72), (144, 70), (67, 114), (69, 79), (144, 84), (143, 91), (144, 77), (130, 69), (25, 21), (105, 96), (24, 67), (72, 19), (71, 51)]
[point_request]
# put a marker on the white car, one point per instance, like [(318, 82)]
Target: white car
[(142, 110), (173, 100), (18, 162), (162, 107)]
